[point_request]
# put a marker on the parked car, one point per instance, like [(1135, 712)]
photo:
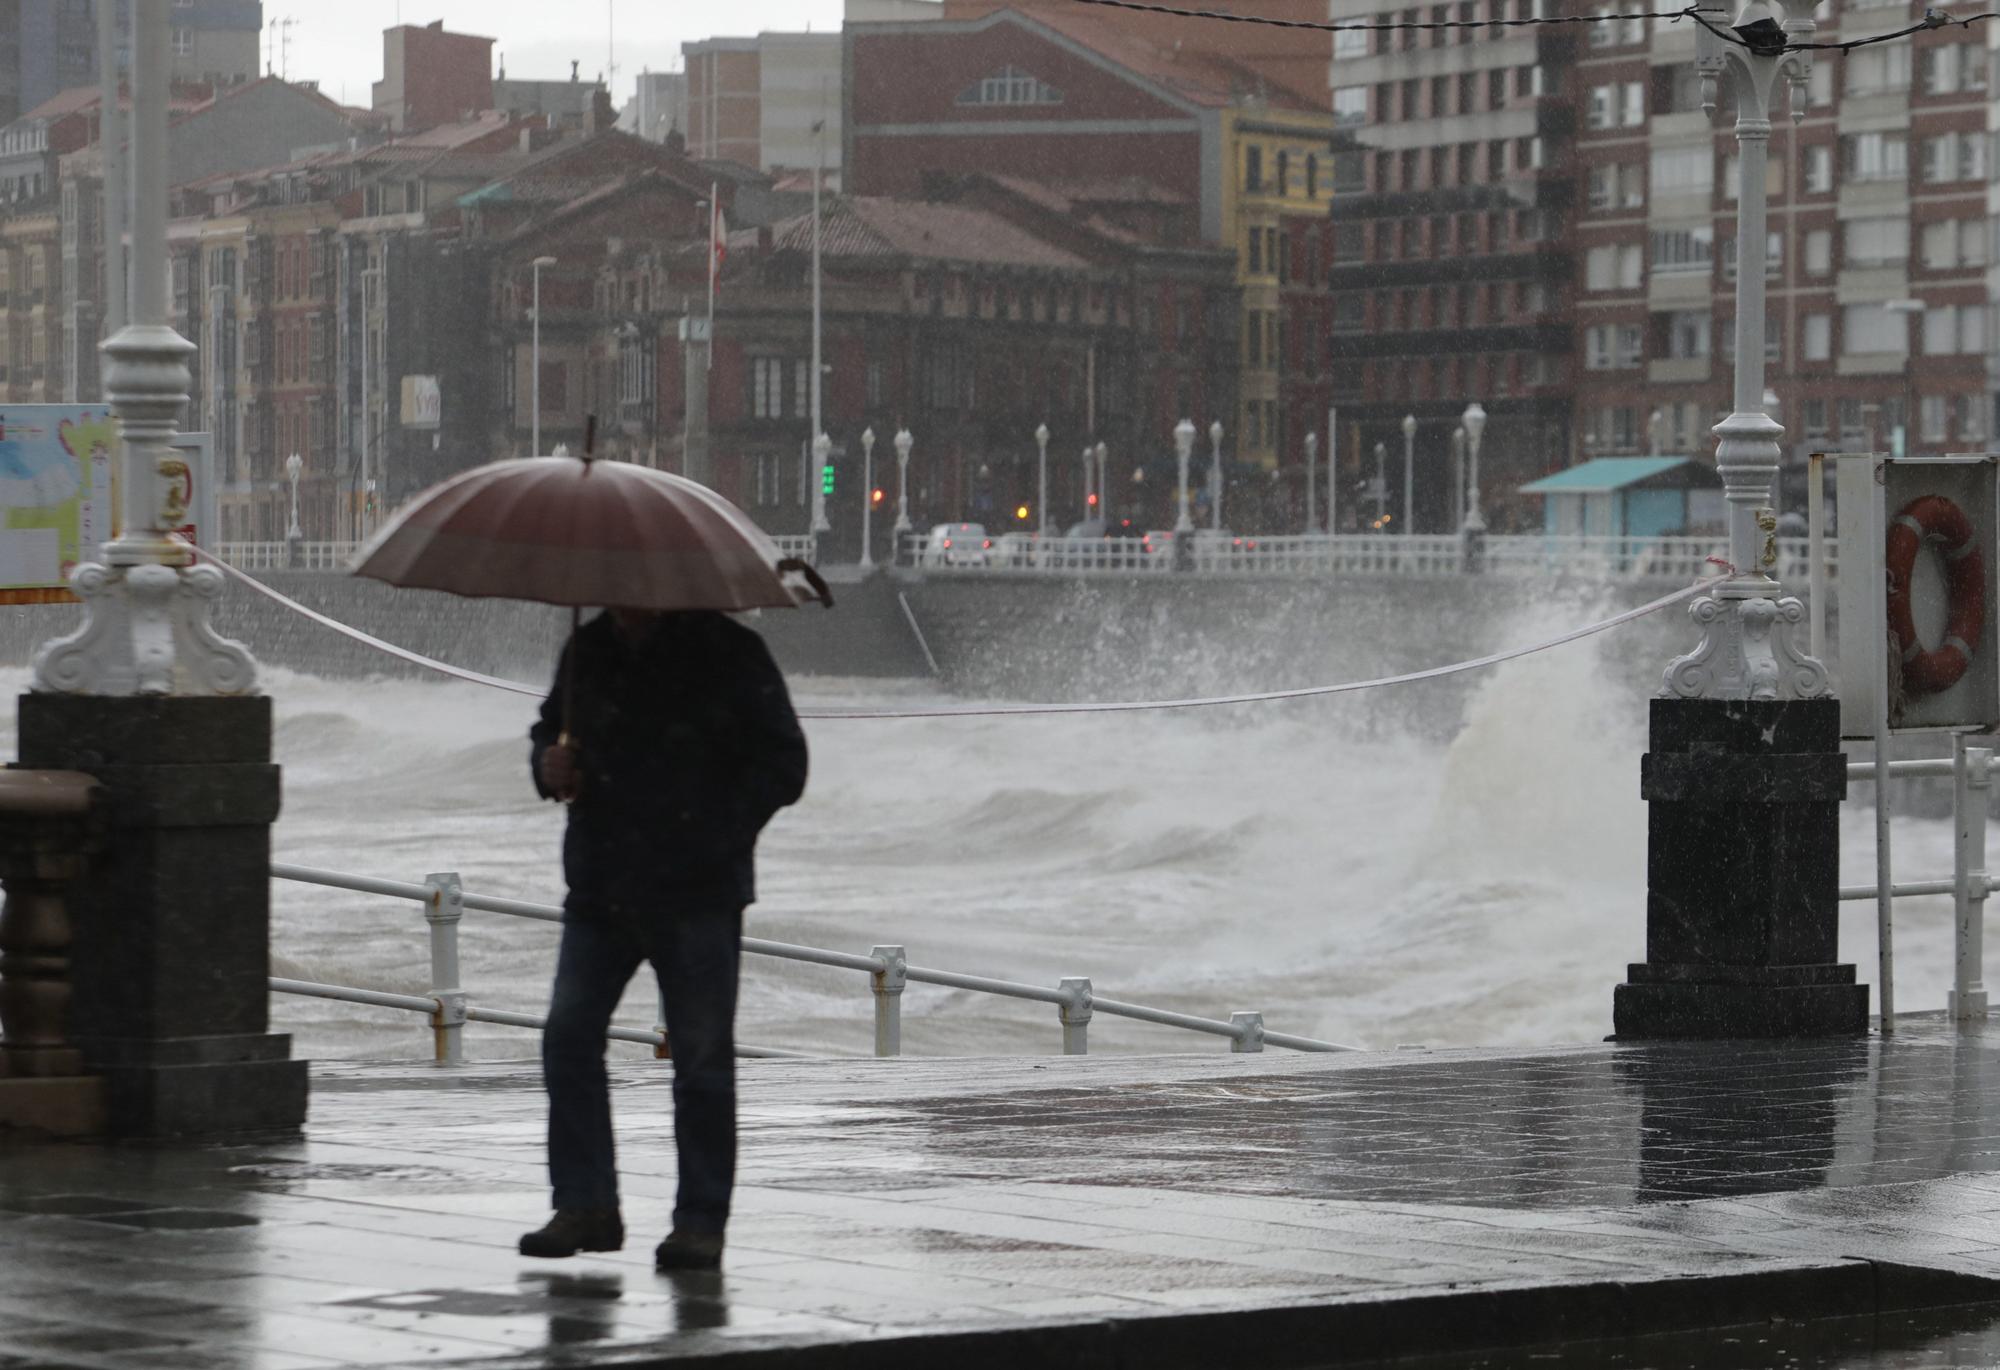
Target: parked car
[(1015, 549), (958, 544), (1159, 543)]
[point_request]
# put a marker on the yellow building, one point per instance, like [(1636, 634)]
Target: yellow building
[(1277, 163)]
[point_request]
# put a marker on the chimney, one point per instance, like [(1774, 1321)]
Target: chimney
[(572, 70)]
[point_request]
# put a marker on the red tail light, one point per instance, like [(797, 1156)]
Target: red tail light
[(987, 543), (947, 542)]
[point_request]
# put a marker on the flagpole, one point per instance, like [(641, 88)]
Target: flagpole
[(715, 269)]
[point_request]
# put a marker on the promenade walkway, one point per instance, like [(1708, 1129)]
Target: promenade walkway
[(1257, 1211)]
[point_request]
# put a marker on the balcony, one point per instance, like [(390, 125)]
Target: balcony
[(1679, 289), (1552, 264), (1533, 337), (1679, 370)]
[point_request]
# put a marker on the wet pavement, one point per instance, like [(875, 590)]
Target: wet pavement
[(1275, 1210)]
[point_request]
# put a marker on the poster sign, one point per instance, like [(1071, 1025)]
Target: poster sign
[(56, 495), (423, 402)]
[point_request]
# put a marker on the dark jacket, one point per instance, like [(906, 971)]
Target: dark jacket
[(686, 746)]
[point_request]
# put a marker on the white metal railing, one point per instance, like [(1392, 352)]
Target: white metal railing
[(1442, 554), (888, 969), (277, 556), (1970, 769), (804, 546)]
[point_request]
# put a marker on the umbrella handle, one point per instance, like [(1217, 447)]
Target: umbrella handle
[(813, 578)]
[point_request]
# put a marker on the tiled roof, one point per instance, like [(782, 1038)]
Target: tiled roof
[(1064, 196), (1204, 78), (870, 226)]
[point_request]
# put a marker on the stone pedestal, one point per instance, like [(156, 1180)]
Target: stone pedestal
[(171, 955), (1742, 875)]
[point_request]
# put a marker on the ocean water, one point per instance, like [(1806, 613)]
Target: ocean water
[(1476, 882)]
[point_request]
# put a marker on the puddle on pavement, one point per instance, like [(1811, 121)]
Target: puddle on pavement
[(1930, 1339)]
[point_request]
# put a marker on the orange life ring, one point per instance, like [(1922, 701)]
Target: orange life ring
[(1927, 519)]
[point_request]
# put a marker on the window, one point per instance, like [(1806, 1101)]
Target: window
[(1350, 105), (1688, 334), (1869, 329), (1602, 111), (1931, 411), (1634, 105), (1877, 242), (1613, 347), (1613, 267), (1253, 168), (1312, 177), (1349, 42), (1876, 156), (1010, 86), (1819, 252), (1875, 70), (1774, 256), (183, 42), (1347, 242), (1971, 418), (1683, 171), (1955, 157), (1818, 335), (1254, 264), (1284, 176), (1815, 419), (1683, 250), (767, 388), (1954, 67), (1951, 329), (1818, 169)]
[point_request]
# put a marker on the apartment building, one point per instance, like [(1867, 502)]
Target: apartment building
[(1453, 252), (1876, 330)]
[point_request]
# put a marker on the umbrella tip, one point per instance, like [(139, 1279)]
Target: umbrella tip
[(589, 437)]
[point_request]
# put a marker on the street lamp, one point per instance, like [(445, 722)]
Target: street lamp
[(1215, 475), (1042, 488), (1381, 491), (1409, 472), (903, 441), (1906, 309), (534, 358), (1312, 496), (1103, 482), (1458, 471), (867, 493), (1473, 420), (1184, 445), (293, 533)]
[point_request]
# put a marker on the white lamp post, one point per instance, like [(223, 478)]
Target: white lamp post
[(145, 629), (1409, 472), (1746, 650), (1103, 482), (1458, 471), (1042, 489), (867, 493), (903, 441), (1473, 532), (1215, 475), (293, 466), (1089, 478), (534, 359), (1312, 495), (1184, 445), (1381, 484)]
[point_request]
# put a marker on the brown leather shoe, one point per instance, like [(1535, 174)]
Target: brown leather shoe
[(576, 1229), (689, 1251)]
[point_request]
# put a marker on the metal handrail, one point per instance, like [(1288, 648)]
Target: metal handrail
[(445, 900)]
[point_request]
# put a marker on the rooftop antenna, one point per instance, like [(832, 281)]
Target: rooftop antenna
[(281, 43)]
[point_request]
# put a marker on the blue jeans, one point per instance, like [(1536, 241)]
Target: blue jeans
[(695, 956)]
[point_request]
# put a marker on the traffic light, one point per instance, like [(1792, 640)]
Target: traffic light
[(826, 479), (1091, 500), (1021, 512), (875, 496)]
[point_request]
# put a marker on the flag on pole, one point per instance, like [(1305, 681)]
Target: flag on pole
[(718, 249)]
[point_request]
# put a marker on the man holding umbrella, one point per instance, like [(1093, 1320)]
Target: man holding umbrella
[(670, 736), (680, 744)]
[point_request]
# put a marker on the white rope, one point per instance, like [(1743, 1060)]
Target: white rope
[(1013, 710)]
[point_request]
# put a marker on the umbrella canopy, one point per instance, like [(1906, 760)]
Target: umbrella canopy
[(559, 530)]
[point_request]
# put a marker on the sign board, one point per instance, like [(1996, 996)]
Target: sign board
[(423, 402), (198, 492), (56, 495), (1918, 554)]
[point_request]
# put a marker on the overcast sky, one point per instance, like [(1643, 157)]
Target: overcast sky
[(340, 45)]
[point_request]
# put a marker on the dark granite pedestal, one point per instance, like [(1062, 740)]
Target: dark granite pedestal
[(1742, 875), (171, 957)]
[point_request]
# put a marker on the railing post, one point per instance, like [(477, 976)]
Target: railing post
[(887, 986), (1075, 1013), (444, 907), (1972, 778), (1249, 1031)]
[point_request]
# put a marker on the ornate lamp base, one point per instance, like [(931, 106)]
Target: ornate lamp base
[(145, 631), (1746, 649)]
